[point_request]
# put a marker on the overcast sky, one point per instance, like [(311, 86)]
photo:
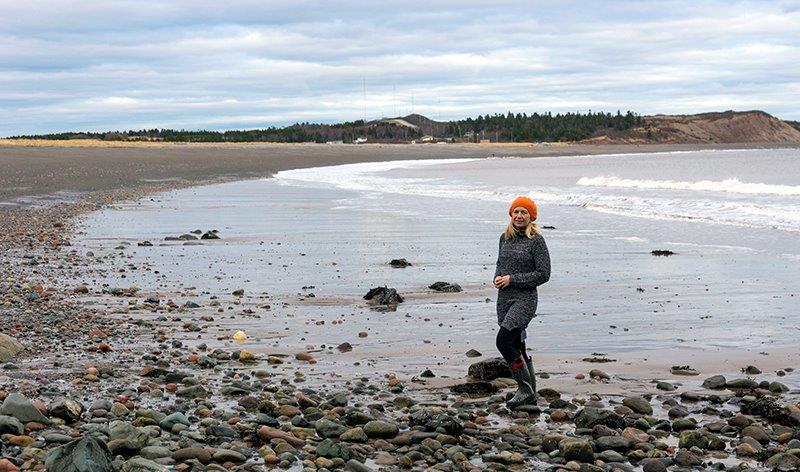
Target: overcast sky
[(105, 65)]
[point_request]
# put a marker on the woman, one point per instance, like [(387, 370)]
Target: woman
[(523, 263)]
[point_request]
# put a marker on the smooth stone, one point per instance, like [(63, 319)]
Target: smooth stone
[(10, 425), (21, 408), (170, 420), (140, 464), (155, 452), (579, 450), (715, 382), (201, 454), (639, 405), (381, 429), (225, 455)]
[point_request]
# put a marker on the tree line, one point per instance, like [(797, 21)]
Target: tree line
[(509, 127)]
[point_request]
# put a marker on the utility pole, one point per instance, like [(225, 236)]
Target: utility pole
[(364, 87)]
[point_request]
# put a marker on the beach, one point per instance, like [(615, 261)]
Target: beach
[(105, 296)]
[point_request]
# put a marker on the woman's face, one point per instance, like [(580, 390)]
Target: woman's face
[(520, 218)]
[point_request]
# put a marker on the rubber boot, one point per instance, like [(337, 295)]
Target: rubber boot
[(529, 365), (525, 394)]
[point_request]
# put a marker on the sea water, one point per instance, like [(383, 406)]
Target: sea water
[(731, 217)]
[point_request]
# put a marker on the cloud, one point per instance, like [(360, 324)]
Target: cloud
[(95, 65)]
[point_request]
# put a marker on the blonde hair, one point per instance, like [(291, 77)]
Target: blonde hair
[(511, 231)]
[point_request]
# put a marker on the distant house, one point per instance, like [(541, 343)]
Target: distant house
[(334, 142), (427, 139), (360, 140)]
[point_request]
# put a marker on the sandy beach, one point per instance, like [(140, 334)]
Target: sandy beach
[(98, 351)]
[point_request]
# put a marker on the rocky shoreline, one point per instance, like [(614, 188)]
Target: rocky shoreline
[(151, 387)]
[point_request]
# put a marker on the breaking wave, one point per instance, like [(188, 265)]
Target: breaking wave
[(727, 185)]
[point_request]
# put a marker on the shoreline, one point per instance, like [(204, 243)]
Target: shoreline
[(82, 348)]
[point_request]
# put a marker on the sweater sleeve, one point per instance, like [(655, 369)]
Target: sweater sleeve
[(541, 258), (497, 265)]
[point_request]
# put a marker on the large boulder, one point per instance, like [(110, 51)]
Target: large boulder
[(489, 369), (10, 425), (83, 455), (9, 347), (21, 408)]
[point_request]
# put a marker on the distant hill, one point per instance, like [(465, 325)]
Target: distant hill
[(723, 127), (591, 127)]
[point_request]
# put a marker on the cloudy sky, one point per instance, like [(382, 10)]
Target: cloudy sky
[(107, 65)]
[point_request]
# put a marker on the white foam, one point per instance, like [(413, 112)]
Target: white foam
[(372, 180), (727, 185)]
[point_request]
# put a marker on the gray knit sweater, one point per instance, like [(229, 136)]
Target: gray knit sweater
[(527, 261)]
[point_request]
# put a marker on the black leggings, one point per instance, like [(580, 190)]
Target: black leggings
[(510, 344)]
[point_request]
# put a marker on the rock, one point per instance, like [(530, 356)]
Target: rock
[(140, 464), (354, 466), (190, 305), (598, 374), (83, 455), (445, 287), (195, 391), (155, 452), (751, 370), (756, 432), (662, 252), (579, 450), (381, 429), (635, 435), (125, 438), (354, 435), (239, 336), (769, 410), (228, 455), (683, 370), (171, 420), (10, 425), (329, 429), (777, 387), (715, 382), (638, 404), (344, 347), (783, 461), (653, 465), (399, 263), (21, 408), (66, 409), (693, 438), (489, 369), (617, 443), (665, 386), (473, 353), (686, 458), (384, 296), (427, 373), (328, 448), (684, 424), (266, 433), (201, 454), (589, 417), (435, 420), (741, 384), (7, 466), (210, 235), (246, 356), (9, 347), (144, 244), (474, 389), (746, 450)]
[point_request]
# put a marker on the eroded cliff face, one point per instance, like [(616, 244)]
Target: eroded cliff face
[(724, 127)]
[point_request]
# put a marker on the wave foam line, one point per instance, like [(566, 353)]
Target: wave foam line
[(727, 185)]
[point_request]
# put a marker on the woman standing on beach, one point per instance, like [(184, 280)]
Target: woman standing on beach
[(523, 263)]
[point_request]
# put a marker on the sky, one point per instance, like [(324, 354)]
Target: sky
[(116, 65)]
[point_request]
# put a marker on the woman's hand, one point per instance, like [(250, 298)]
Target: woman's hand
[(502, 281)]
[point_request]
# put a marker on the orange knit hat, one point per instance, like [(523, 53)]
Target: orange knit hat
[(525, 203)]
